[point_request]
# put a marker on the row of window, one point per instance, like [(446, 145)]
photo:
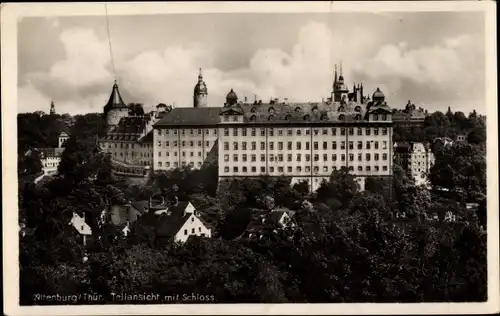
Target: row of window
[(183, 143), (184, 131), (298, 145), (192, 230), (175, 164), (126, 145), (183, 154), (306, 117), (299, 169), (307, 131), (307, 157), (133, 154)]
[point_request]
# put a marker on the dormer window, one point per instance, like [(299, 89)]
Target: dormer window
[(324, 117), (341, 117), (235, 118), (288, 117), (226, 118), (297, 109), (384, 117), (271, 110), (270, 118), (357, 109), (315, 109), (341, 109), (306, 117), (253, 118), (358, 117), (253, 110)]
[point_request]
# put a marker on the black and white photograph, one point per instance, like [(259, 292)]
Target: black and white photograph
[(185, 157)]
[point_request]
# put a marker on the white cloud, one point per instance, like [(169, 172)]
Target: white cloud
[(81, 82)]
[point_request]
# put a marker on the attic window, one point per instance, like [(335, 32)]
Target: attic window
[(253, 110), (357, 109), (341, 109), (324, 117), (271, 118), (252, 118), (288, 117), (358, 117), (315, 109), (271, 110), (297, 109), (341, 117), (306, 117)]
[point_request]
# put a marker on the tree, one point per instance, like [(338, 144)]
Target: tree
[(342, 186), (135, 109)]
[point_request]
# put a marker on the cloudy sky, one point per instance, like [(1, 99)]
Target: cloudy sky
[(434, 59)]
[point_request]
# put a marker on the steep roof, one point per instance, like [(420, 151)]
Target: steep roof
[(190, 117), (50, 152), (169, 225), (115, 100), (128, 128)]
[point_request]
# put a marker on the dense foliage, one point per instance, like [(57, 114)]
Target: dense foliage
[(348, 245)]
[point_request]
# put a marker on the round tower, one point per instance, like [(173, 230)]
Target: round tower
[(115, 109), (200, 94)]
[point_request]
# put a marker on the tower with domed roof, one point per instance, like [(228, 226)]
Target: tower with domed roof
[(200, 94)]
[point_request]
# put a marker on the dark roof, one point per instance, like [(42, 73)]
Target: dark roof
[(190, 116), (50, 152), (115, 100), (148, 138), (120, 214), (169, 225), (141, 206), (129, 128)]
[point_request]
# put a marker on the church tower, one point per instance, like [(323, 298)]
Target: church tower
[(200, 94), (340, 89), (52, 108), (115, 109)]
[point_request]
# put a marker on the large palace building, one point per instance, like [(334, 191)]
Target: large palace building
[(305, 141)]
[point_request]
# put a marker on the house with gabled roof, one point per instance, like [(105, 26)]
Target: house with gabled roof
[(263, 223)]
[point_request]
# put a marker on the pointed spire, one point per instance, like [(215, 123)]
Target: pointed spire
[(341, 68), (115, 99), (335, 78), (200, 76)]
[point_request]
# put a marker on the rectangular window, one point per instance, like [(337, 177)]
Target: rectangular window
[(334, 157), (351, 131), (325, 131), (289, 145), (351, 157), (262, 169), (299, 132), (315, 145), (280, 169), (375, 131), (384, 168), (235, 132), (191, 143), (376, 145), (342, 157), (244, 145), (325, 145), (262, 132), (307, 145), (280, 145), (334, 131), (289, 169), (298, 146), (271, 145), (299, 169), (308, 157), (368, 168), (289, 157), (298, 157), (316, 132), (235, 146), (360, 145), (159, 163), (384, 156), (207, 143), (254, 145), (351, 145), (376, 156), (185, 231), (254, 169), (235, 157), (377, 168), (183, 144), (280, 132), (360, 131), (289, 132), (244, 169), (334, 145), (183, 131), (253, 132), (244, 132), (159, 154), (360, 168), (325, 157), (308, 169), (384, 131), (271, 132), (342, 145), (199, 143), (280, 157), (368, 145), (271, 169), (235, 169), (244, 157), (360, 157), (262, 145), (262, 157), (384, 144), (316, 157), (254, 158), (368, 131), (183, 154), (368, 157), (226, 146)]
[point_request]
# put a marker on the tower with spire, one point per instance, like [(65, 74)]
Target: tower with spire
[(200, 95), (52, 108), (340, 90), (115, 109)]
